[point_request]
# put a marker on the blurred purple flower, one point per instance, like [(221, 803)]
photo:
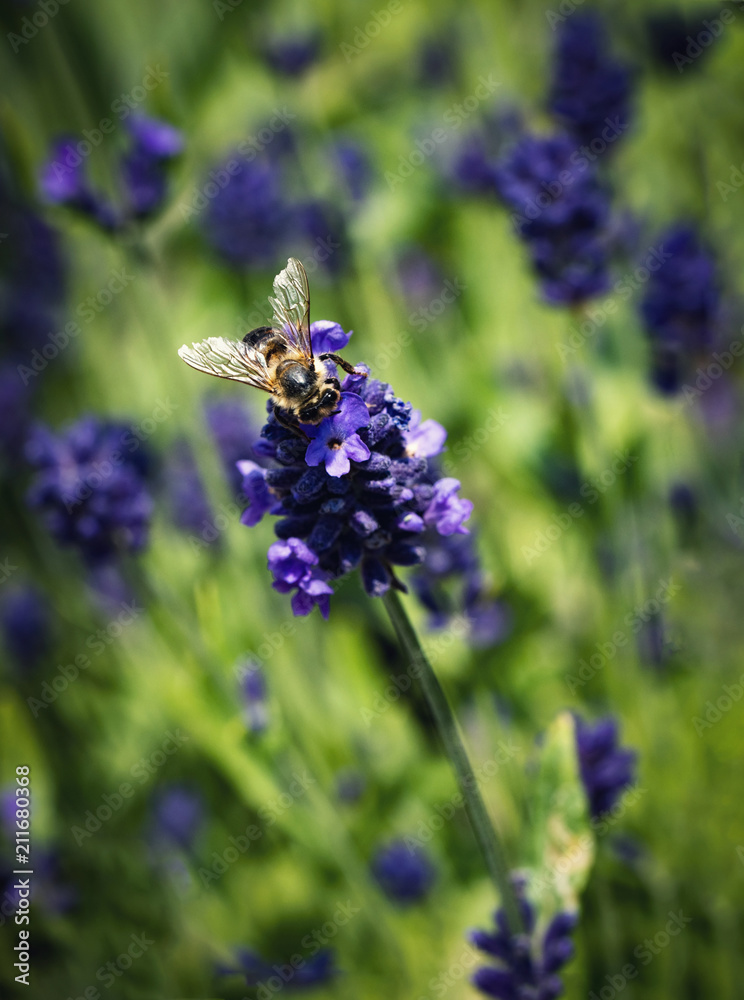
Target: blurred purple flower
[(48, 893), (681, 307), (405, 874), (15, 412), (419, 276), (323, 226), (451, 567), (606, 769), (317, 970), (178, 815), (90, 487), (474, 167), (32, 292), (253, 696), (234, 432), (353, 166), (590, 90), (142, 170), (293, 54), (25, 620), (187, 497), (446, 510), (157, 138), (248, 220), (526, 966), (562, 213), (63, 180)]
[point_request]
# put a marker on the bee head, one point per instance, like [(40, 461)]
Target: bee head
[(323, 403)]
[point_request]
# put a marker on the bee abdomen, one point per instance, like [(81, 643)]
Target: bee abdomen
[(257, 336), (266, 340)]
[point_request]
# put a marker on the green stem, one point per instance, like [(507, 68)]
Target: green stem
[(483, 828)]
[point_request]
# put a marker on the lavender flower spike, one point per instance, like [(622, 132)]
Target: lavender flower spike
[(606, 769), (356, 488), (527, 966)]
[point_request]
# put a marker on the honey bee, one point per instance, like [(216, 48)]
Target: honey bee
[(279, 358)]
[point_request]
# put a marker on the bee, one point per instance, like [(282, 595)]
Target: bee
[(279, 358)]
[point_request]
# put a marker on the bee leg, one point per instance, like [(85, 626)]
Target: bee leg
[(289, 424), (344, 364)]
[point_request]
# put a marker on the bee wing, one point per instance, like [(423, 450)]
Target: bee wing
[(291, 306), (228, 359)]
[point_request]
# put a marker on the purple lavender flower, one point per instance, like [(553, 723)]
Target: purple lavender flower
[(474, 168), (317, 970), (15, 412), (26, 626), (358, 494), (142, 174), (606, 770), (32, 291), (90, 487), (323, 226), (248, 220), (294, 565), (590, 91), (328, 337), (562, 213), (335, 443), (451, 565), (145, 183), (187, 498), (405, 874), (446, 512), (48, 892), (177, 816), (526, 966), (144, 168), (253, 697), (681, 307), (419, 276), (157, 138), (234, 434), (8, 811), (424, 440), (293, 55), (255, 489), (353, 166), (63, 180)]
